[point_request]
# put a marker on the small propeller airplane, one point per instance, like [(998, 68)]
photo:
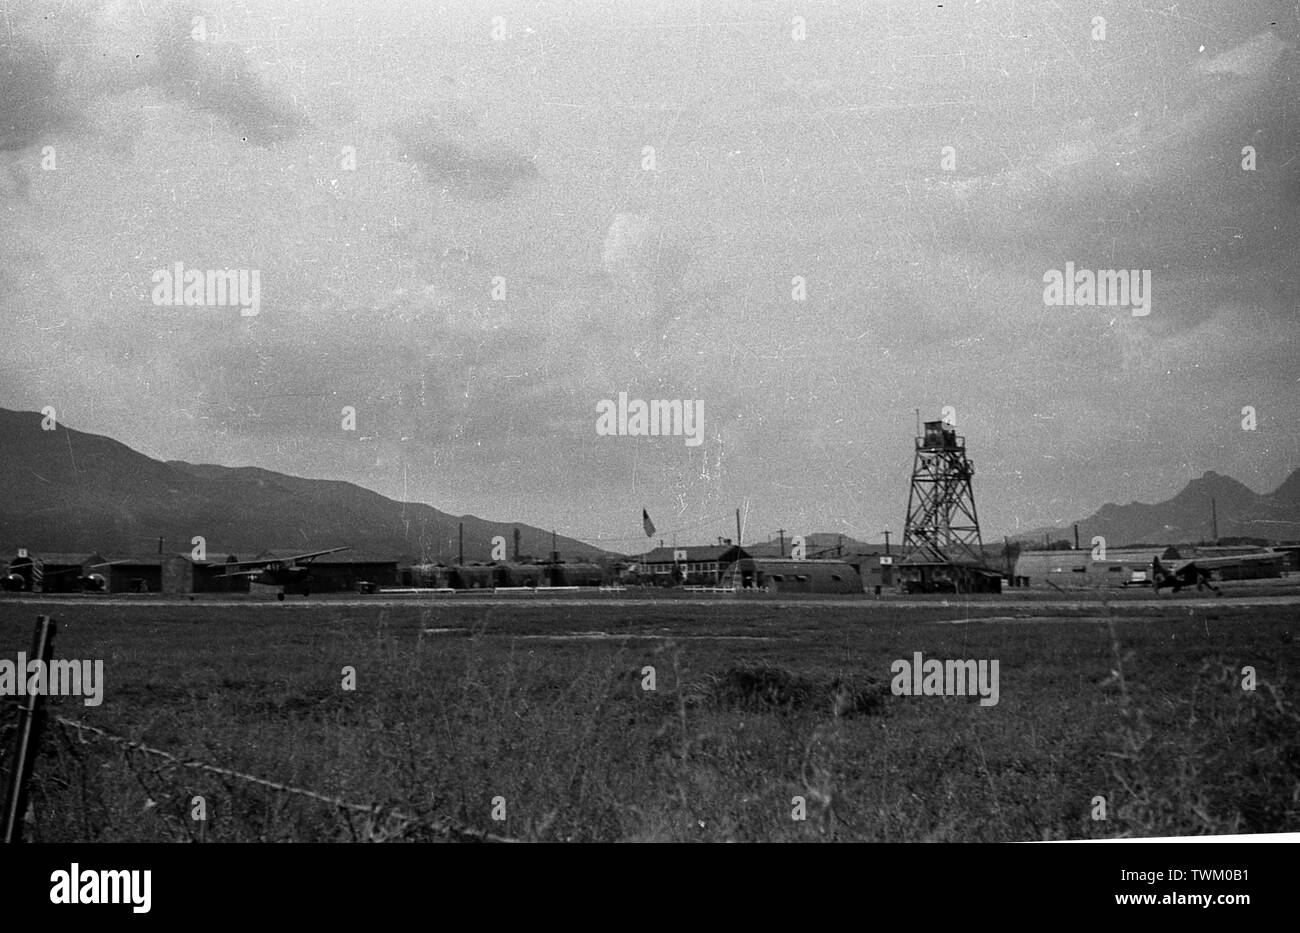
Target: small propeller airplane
[(1188, 573), (283, 572), (1198, 571)]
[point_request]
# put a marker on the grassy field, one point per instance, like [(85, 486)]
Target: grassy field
[(456, 705)]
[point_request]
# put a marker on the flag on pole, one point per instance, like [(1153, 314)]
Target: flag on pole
[(648, 525)]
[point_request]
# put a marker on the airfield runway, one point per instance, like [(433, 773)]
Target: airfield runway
[(865, 602)]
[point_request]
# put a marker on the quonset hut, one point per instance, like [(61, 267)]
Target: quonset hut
[(576, 573), (510, 574), (472, 576), (776, 575)]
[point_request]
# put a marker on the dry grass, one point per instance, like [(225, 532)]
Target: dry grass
[(1142, 713)]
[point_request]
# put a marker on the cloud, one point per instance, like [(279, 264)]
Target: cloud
[(214, 76), (1162, 188), (56, 64), (1252, 59), (32, 105), (479, 170)]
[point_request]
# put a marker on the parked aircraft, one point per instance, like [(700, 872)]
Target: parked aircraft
[(1188, 573), (1197, 571), (91, 582)]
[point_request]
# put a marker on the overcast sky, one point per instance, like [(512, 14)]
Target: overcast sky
[(523, 156)]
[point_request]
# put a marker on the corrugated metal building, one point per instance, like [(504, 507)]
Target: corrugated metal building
[(576, 573), (472, 576), (774, 575), (181, 574), (947, 577), (1126, 566), (427, 576), (512, 573), (874, 573), (131, 574)]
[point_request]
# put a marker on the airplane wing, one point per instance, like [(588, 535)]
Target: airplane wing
[(55, 573), (107, 563), (305, 558), (1229, 560), (268, 561)]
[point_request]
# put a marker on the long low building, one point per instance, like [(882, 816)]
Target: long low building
[(876, 568), (696, 565), (1127, 566), (778, 575), (917, 576), (507, 574), (180, 574)]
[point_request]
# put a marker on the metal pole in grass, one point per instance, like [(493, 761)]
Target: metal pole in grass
[(27, 738)]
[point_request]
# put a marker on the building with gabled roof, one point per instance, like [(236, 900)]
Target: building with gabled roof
[(694, 565)]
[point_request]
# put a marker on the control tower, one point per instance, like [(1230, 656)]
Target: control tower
[(942, 548)]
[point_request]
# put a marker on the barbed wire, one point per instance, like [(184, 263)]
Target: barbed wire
[(447, 828)]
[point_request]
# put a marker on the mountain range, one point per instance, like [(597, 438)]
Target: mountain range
[(67, 490), (1187, 517), (70, 491)]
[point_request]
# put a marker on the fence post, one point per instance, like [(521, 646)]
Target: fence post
[(28, 736)]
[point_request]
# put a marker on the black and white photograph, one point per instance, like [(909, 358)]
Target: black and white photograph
[(671, 421)]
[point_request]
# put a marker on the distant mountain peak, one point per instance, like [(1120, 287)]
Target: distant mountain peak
[(1191, 515)]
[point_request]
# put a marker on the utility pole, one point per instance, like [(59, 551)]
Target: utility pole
[(460, 544), (737, 527), (781, 532), (1076, 536), (886, 541), (555, 553)]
